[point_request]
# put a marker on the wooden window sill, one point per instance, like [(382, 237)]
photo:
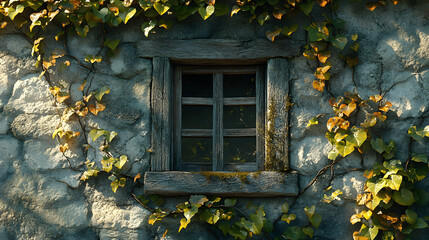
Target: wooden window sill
[(240, 184)]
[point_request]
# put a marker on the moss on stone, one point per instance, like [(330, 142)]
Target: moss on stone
[(229, 175)]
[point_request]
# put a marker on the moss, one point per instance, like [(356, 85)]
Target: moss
[(228, 175)]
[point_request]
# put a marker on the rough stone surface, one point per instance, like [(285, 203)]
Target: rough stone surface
[(31, 95), (41, 197), (9, 150)]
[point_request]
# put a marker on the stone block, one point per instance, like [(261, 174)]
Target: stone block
[(126, 64), (31, 126), (351, 184), (109, 215), (43, 155), (31, 95), (309, 155), (15, 44), (9, 151), (73, 215)]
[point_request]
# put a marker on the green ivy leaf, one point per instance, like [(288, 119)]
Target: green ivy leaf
[(285, 207), (288, 30), (411, 216), (294, 233), (308, 231), (312, 121), (262, 18), (310, 211), (316, 220), (268, 226), (147, 27), (396, 182), (122, 160), (198, 200), (161, 7), (344, 148), (230, 202), (404, 197), (12, 12), (307, 7), (420, 158), (100, 92), (96, 133), (359, 135), (420, 223), (339, 42), (130, 14), (206, 12), (417, 134), (314, 35), (373, 232), (375, 187), (288, 218), (378, 145)]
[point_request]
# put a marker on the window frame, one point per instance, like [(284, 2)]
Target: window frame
[(218, 102)]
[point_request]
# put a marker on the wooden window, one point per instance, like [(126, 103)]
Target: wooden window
[(219, 118)]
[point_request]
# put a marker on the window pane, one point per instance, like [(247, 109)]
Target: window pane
[(239, 117), (239, 150), (197, 85), (239, 85), (197, 117), (197, 150)]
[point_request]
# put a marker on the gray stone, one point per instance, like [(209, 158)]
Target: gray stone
[(15, 44), (9, 151), (4, 123), (31, 95), (406, 94), (4, 235), (309, 155), (43, 155), (126, 64), (31, 126), (73, 215), (79, 47), (109, 215), (122, 234), (351, 184)]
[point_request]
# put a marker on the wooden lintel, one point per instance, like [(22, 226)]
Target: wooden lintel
[(204, 51)]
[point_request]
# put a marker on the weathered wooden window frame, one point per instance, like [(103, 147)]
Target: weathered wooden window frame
[(218, 132), (161, 179)]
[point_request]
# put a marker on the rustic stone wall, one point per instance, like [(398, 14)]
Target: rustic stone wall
[(41, 197)]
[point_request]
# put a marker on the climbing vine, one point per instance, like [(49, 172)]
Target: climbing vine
[(391, 189)]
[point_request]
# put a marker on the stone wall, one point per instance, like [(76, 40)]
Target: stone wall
[(41, 196)]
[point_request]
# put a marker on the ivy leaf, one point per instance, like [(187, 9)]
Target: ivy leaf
[(395, 184), (375, 187), (333, 154), (308, 231), (378, 145), (312, 121), (354, 37), (112, 44), (272, 35), (122, 160), (285, 208), (314, 35), (410, 216), (420, 158), (107, 164), (339, 42), (130, 14), (315, 220), (404, 197), (318, 85), (258, 223), (147, 27), (230, 202), (288, 218), (307, 7), (100, 92), (373, 232), (345, 148), (310, 211), (161, 7), (289, 30), (206, 12), (115, 185), (262, 18), (360, 135), (417, 134), (110, 135), (198, 200), (183, 224), (96, 133), (12, 12), (294, 232), (420, 223)]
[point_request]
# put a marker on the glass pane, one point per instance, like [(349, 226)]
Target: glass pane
[(197, 117), (239, 85), (197, 85), (197, 150), (239, 150), (239, 117)]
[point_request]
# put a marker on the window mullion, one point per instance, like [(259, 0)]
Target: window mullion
[(260, 118), (217, 122), (178, 118)]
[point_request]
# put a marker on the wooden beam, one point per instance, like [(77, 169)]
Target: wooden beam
[(219, 69), (238, 101), (260, 118), (239, 132), (277, 155), (197, 132), (161, 106), (204, 51), (197, 101), (256, 184), (217, 122)]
